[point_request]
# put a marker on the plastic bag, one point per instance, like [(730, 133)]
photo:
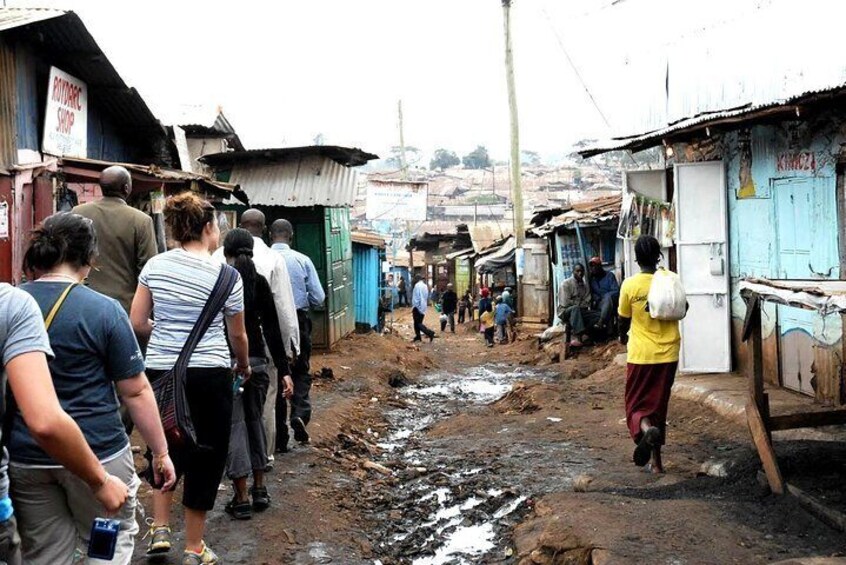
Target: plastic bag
[(667, 299)]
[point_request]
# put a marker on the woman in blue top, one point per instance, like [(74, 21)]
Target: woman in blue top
[(95, 353)]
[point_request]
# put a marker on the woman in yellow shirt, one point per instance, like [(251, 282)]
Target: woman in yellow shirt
[(653, 355)]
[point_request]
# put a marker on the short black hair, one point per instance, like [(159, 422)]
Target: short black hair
[(62, 238), (282, 228), (647, 251)]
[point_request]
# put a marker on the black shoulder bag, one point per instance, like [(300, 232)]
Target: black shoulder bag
[(169, 389)]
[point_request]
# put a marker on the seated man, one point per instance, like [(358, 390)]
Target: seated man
[(574, 299), (606, 292)]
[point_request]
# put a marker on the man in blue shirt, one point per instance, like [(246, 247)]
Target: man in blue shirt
[(605, 291), (502, 317), (308, 294), (419, 304)]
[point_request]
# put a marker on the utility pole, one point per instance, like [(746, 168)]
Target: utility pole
[(516, 190), (403, 164)]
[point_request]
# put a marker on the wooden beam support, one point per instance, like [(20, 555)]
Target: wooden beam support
[(829, 516), (807, 420), (764, 445)]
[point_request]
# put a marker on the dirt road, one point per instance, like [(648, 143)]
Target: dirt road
[(485, 458)]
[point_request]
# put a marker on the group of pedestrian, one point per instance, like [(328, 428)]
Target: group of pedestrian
[(589, 307), (74, 352)]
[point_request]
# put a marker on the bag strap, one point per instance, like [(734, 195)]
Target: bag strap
[(226, 280), (48, 320)]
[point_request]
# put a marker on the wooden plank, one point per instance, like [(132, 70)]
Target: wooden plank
[(764, 445), (829, 516), (807, 420)]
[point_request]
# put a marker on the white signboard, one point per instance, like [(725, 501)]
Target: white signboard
[(397, 201), (66, 116)]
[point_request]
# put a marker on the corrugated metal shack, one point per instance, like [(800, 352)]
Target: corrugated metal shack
[(314, 188), (439, 240), (368, 255), (35, 45), (574, 235)]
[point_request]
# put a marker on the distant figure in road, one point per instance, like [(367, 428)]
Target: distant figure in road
[(449, 304), (574, 305), (126, 239), (485, 303), (465, 307), (508, 297), (402, 291), (653, 354), (419, 305), (308, 294), (502, 317), (487, 325), (605, 292)]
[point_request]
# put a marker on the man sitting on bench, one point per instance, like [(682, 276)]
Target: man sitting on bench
[(574, 298)]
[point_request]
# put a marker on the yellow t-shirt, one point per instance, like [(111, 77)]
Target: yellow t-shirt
[(650, 341), (487, 319)]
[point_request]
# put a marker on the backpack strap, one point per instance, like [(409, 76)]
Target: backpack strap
[(48, 320), (226, 280)]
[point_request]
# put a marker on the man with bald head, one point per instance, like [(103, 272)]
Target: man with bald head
[(308, 294), (273, 268), (125, 237)]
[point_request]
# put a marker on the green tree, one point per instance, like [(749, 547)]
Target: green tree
[(530, 158), (412, 156), (477, 159), (444, 159)]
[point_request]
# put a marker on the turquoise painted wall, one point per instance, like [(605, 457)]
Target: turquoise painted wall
[(783, 213)]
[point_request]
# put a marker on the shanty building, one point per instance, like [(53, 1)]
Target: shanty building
[(369, 281), (65, 114), (313, 188), (756, 167)]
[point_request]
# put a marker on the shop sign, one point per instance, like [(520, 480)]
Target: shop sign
[(66, 116)]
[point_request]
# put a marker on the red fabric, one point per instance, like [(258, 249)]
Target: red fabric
[(648, 395)]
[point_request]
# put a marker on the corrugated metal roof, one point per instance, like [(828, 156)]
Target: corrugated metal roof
[(502, 257), (483, 235), (583, 213), (305, 181), (347, 156), (367, 238), (64, 39)]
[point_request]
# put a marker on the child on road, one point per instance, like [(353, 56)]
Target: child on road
[(487, 326), (501, 317)]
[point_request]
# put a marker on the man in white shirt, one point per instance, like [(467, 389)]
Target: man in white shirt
[(272, 267), (419, 304)]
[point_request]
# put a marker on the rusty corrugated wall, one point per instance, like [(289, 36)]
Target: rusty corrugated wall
[(8, 120)]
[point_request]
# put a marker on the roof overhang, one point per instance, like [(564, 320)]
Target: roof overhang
[(347, 156), (732, 118)]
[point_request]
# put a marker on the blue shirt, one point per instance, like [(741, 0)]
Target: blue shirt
[(420, 297), (308, 292), (502, 312), (606, 285), (95, 347)]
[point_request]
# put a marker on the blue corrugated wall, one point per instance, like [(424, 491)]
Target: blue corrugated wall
[(366, 270)]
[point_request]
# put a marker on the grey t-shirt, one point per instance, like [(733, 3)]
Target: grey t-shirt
[(21, 331)]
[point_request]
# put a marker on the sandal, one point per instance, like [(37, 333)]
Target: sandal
[(239, 510), (261, 499), (643, 451), (161, 540)]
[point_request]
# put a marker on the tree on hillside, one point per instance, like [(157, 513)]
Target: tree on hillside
[(530, 158), (444, 159), (477, 159), (412, 156)]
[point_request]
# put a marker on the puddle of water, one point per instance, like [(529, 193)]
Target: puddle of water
[(466, 541)]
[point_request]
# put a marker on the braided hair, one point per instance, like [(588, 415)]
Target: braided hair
[(238, 245), (647, 252)]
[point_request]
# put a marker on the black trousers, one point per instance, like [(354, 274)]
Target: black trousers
[(301, 375), (419, 326), (209, 393)]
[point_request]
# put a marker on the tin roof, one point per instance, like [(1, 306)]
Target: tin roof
[(367, 238), (346, 156), (483, 235), (583, 213), (62, 36)]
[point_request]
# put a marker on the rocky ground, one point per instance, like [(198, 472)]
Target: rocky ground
[(499, 456)]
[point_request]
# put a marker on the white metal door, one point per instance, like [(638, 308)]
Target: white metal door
[(652, 184), (702, 255)]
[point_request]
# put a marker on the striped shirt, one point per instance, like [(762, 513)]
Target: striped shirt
[(180, 283)]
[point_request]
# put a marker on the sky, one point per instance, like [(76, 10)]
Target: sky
[(285, 71)]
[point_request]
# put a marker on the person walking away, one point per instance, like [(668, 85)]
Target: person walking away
[(487, 325), (502, 317), (485, 303), (449, 304), (174, 288), (273, 268), (403, 292), (653, 354), (95, 353), (508, 297), (127, 239), (308, 294), (419, 305), (25, 351), (574, 305), (248, 440), (605, 292)]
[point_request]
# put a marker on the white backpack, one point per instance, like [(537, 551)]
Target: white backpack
[(667, 299)]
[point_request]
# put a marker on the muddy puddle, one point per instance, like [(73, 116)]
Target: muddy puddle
[(458, 497)]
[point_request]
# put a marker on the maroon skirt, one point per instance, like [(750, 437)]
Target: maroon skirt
[(648, 395)]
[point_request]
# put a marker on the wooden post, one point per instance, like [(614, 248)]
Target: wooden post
[(403, 164), (516, 190)]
